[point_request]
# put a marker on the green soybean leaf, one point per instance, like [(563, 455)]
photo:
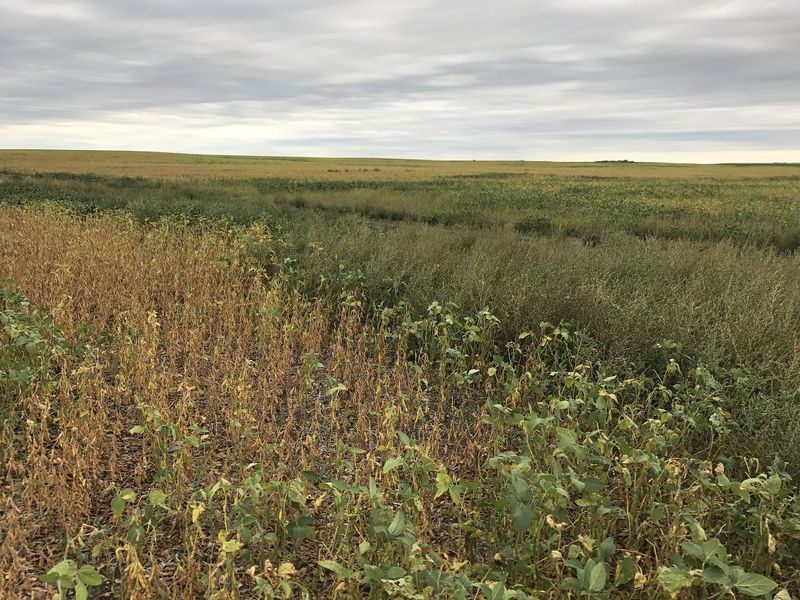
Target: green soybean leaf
[(49, 577), (88, 575), (607, 548), (521, 517), (715, 575), (392, 464), (343, 573), (626, 571), (597, 578), (398, 524), (157, 497), (395, 573), (117, 506), (81, 593), (752, 584)]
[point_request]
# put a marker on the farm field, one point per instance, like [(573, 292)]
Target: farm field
[(244, 377), (201, 166)]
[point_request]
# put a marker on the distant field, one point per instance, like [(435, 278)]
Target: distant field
[(157, 164), (244, 377)]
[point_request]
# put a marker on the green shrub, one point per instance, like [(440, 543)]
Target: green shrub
[(534, 224), (788, 242)]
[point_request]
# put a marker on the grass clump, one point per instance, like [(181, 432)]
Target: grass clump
[(788, 243), (534, 224)]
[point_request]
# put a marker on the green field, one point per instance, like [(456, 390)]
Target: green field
[(449, 379)]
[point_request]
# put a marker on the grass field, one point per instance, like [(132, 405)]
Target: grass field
[(236, 377), (163, 165)]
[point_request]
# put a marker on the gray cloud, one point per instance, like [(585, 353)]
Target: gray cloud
[(509, 78)]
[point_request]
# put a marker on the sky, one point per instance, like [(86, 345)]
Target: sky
[(677, 80)]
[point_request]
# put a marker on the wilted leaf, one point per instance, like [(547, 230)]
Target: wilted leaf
[(157, 497), (674, 579)]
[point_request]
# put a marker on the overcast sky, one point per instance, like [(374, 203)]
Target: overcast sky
[(693, 80)]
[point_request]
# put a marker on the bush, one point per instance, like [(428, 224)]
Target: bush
[(788, 242), (534, 224)]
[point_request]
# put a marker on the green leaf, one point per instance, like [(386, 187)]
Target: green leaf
[(674, 579), (455, 494), (698, 533), (571, 584), (398, 524), (521, 517), (443, 482), (520, 488), (312, 476), (694, 550), (157, 497), (66, 568), (117, 506), (392, 464), (495, 590), (657, 511), (88, 575), (49, 577), (336, 389), (137, 429), (773, 484), (716, 576), (752, 584), (607, 548), (81, 593), (714, 547), (592, 485), (626, 571), (343, 573), (597, 578), (395, 573)]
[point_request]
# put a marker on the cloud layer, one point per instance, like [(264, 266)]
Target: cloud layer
[(577, 79)]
